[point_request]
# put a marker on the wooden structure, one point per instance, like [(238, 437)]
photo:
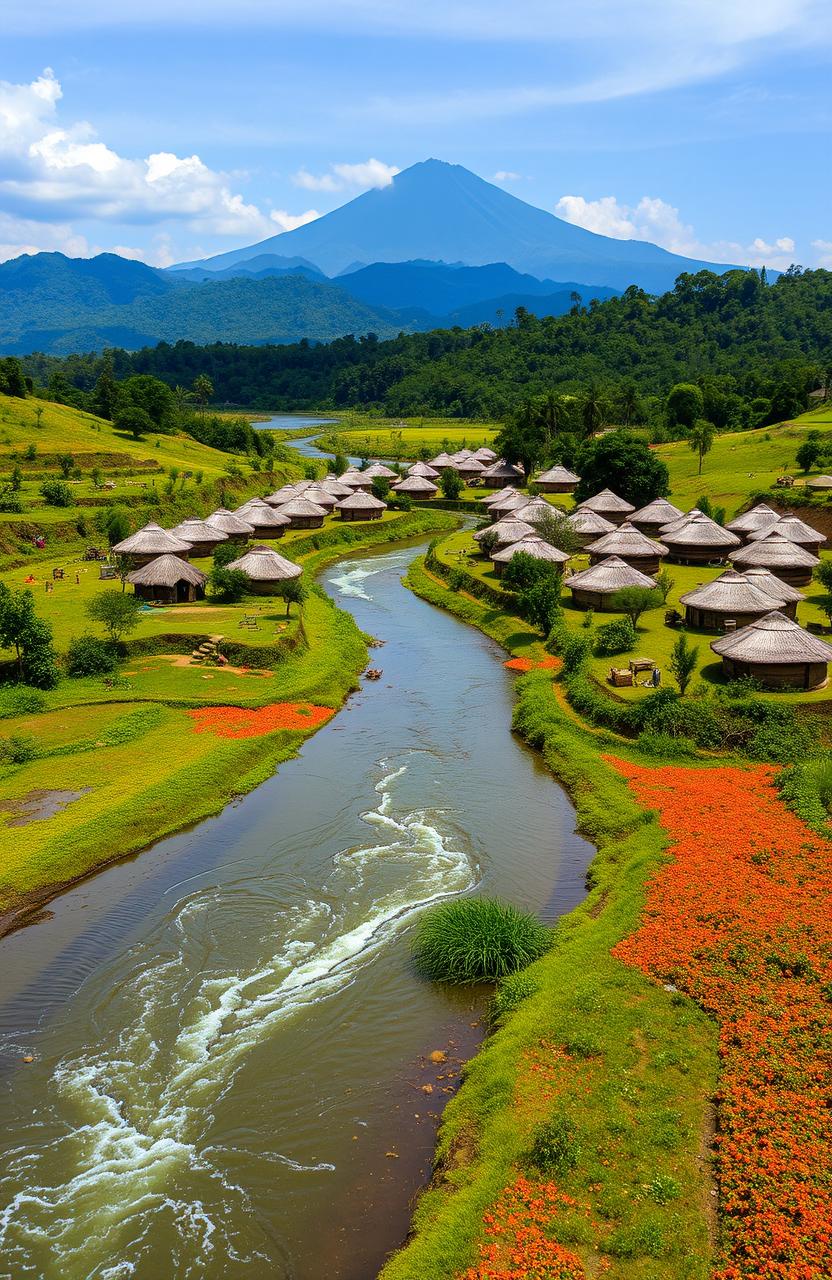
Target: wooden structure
[(589, 526), (631, 546), (609, 505), (149, 542), (698, 540), (594, 588), (652, 518), (234, 527), (169, 580), (507, 531), (796, 530), (266, 570), (423, 469), (302, 513), (202, 536), (775, 651), (785, 559), (530, 546), (361, 506), (557, 480), (416, 487), (266, 521), (730, 598), (500, 473), (751, 521)]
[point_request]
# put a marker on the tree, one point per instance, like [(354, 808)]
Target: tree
[(16, 479), (151, 394), (809, 453), (105, 391), (683, 660), (540, 603), (294, 591), (30, 638), (203, 389), (380, 487), (115, 523), (12, 377), (624, 463), (701, 438), (65, 462), (118, 613), (665, 584), (553, 527), (629, 404), (684, 405), (229, 585), (133, 419), (488, 542), (224, 553), (634, 601), (593, 410), (450, 482), (57, 493), (521, 440)]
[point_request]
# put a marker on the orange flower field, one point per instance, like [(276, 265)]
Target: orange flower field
[(517, 1244), (253, 722), (740, 919), (530, 664)]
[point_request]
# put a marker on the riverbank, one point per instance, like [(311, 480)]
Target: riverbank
[(114, 778)]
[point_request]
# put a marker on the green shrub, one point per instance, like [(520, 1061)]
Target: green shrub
[(642, 1240), (665, 746), (477, 940), (57, 493), (511, 992), (90, 656), (555, 1148), (10, 501), (17, 749), (18, 700), (618, 636)]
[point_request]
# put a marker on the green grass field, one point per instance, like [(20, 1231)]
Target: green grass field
[(407, 438)]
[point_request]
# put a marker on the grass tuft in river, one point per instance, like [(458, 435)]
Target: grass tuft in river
[(477, 940)]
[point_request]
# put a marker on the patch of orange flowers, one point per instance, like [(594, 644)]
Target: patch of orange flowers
[(740, 919), (529, 664), (253, 722), (517, 1245)]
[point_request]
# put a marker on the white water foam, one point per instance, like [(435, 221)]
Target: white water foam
[(353, 575), (132, 1114)]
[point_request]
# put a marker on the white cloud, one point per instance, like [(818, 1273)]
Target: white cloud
[(824, 248), (659, 222), (370, 173), (505, 175), (52, 171)]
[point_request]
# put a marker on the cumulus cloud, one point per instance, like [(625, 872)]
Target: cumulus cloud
[(369, 173), (505, 175), (659, 222), (52, 171), (824, 248)]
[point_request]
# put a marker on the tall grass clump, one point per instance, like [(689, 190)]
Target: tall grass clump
[(477, 940)]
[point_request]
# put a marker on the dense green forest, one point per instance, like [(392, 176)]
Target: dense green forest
[(756, 350)]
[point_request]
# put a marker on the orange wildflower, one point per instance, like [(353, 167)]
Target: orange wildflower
[(529, 664), (253, 722)]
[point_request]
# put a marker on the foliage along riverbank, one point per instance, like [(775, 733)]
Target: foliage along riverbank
[(116, 778), (624, 1070)]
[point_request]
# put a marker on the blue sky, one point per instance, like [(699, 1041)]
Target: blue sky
[(171, 130)]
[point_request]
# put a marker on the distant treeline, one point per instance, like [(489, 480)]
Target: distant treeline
[(757, 348)]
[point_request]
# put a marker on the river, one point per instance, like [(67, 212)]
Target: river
[(229, 1039)]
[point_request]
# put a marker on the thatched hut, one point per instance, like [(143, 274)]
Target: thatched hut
[(783, 595), (751, 521), (416, 487), (168, 579), (361, 506), (266, 570), (303, 513), (699, 540), (471, 469), (631, 546), (149, 542), (609, 505), (532, 510), (530, 546), (202, 536), (423, 469), (775, 651), (594, 588), (819, 482), (508, 504), (557, 480), (284, 494), (321, 497), (785, 559), (443, 461), (500, 473), (484, 454), (234, 527), (680, 521), (796, 530), (377, 470), (266, 521), (356, 479), (729, 599), (336, 488), (507, 531), (652, 518), (588, 525), (509, 490)]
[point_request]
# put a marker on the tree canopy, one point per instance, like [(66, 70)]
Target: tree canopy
[(624, 463)]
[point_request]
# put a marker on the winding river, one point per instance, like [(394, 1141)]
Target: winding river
[(229, 1041)]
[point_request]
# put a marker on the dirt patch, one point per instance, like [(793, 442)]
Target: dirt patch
[(185, 660), (39, 804)]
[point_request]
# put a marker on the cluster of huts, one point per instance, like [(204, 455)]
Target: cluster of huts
[(753, 603)]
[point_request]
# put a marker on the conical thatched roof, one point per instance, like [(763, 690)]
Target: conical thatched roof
[(532, 546), (511, 502), (606, 501), (701, 531), (284, 494), (443, 460), (320, 496), (379, 469), (537, 509), (423, 469), (263, 564), (774, 552), (361, 501), (194, 530), (352, 477), (484, 454), (770, 640), (462, 455), (166, 571), (471, 467), (730, 593), (681, 520), (302, 508), (819, 482), (589, 522), (609, 576), (793, 528), (502, 470), (228, 522), (261, 515), (759, 517), (152, 539), (336, 488), (626, 541), (659, 512), (558, 475), (417, 485), (765, 580), (508, 531), (490, 498)]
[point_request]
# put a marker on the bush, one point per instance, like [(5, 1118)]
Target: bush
[(57, 493), (477, 940), (665, 746), (555, 1148), (574, 648), (18, 749), (17, 700), (450, 483), (229, 585), (10, 501), (118, 613), (511, 993), (618, 636), (90, 656)]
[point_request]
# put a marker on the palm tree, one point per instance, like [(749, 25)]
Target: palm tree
[(593, 410), (203, 391), (547, 413), (701, 438)]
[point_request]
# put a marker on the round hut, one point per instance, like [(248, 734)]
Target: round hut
[(442, 461), (783, 595), (609, 505), (355, 479), (759, 517), (588, 525), (281, 495), (533, 510), (416, 487), (512, 502), (336, 488), (508, 491), (557, 480), (471, 469), (202, 536), (629, 545), (302, 513), (680, 521), (819, 482), (423, 469), (699, 540), (796, 530), (530, 546), (169, 580), (486, 455), (361, 506), (594, 588), (652, 518), (266, 570), (775, 651), (234, 527), (507, 531), (378, 470), (785, 559), (321, 497), (501, 473), (266, 521), (149, 542), (729, 599)]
